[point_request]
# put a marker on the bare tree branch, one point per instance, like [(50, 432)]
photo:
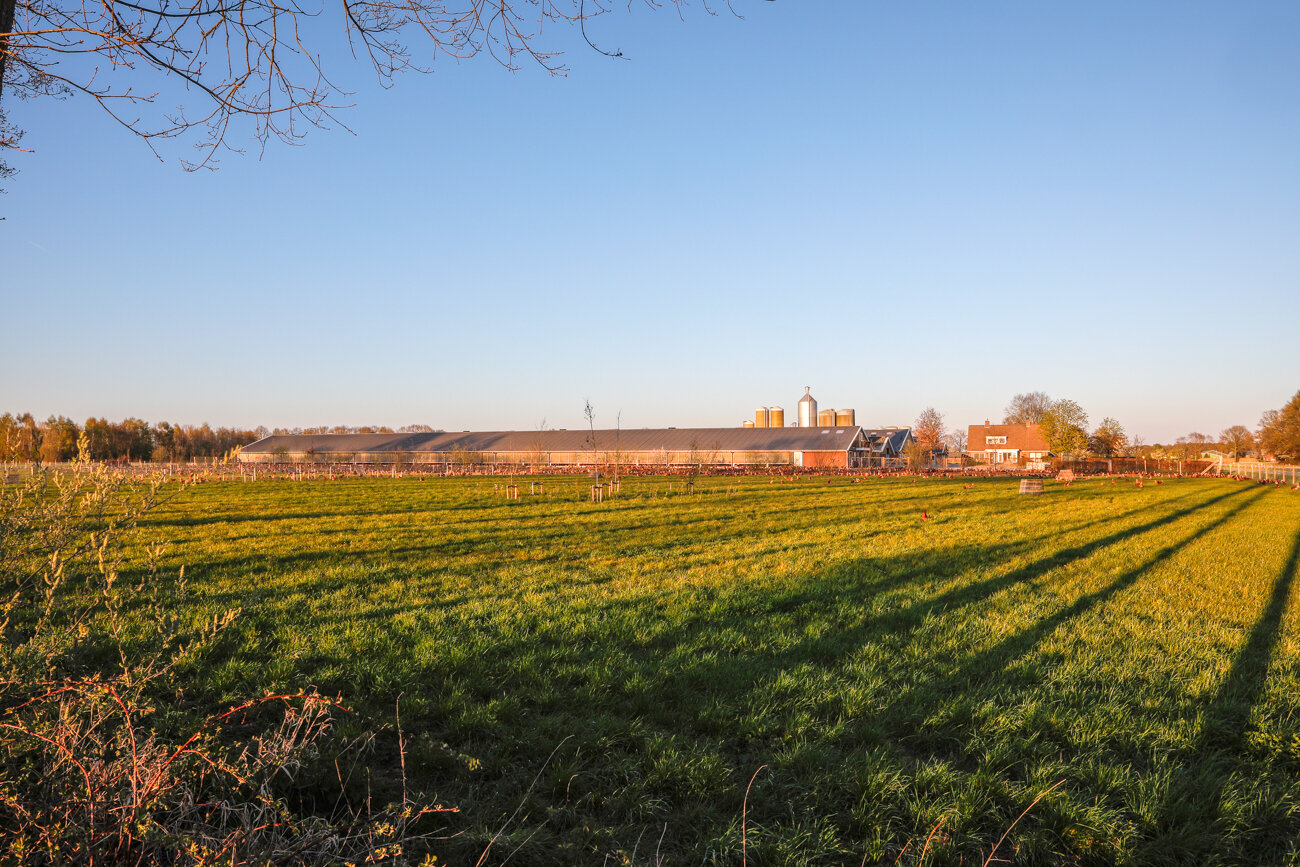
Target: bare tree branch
[(253, 60)]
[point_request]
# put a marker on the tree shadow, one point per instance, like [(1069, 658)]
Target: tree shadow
[(1197, 821), (995, 661), (861, 587)]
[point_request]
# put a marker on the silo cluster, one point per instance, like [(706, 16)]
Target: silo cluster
[(809, 415), (768, 416)]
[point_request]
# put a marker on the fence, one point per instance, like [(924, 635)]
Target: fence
[(1289, 475), (1122, 466)]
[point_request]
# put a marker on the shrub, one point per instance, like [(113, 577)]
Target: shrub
[(97, 764)]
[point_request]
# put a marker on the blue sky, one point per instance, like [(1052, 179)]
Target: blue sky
[(902, 206)]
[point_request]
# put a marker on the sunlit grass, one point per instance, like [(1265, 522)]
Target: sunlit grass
[(646, 655)]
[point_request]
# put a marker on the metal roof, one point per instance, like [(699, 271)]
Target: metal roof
[(707, 439)]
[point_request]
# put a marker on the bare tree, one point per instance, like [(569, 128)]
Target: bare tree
[(1237, 439), (1027, 408), (929, 428), (592, 445), (258, 61), (929, 431)]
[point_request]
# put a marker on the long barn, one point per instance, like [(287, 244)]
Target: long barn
[(847, 446)]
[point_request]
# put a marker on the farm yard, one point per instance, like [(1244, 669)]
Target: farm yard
[(808, 670)]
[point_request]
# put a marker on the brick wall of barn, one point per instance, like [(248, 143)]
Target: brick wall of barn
[(825, 459)]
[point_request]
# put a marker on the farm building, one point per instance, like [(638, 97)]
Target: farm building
[(848, 446), (1006, 443)]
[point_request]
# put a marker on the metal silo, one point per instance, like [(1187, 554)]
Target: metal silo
[(776, 416), (807, 408), (760, 417), (844, 418), (747, 423), (826, 418)]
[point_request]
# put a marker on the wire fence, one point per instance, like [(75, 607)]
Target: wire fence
[(1262, 472)]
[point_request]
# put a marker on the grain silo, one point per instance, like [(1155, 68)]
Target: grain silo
[(760, 417), (844, 417), (776, 416), (747, 423), (807, 408), (826, 418)]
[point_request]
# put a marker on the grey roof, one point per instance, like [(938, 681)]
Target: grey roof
[(887, 440), (637, 440)]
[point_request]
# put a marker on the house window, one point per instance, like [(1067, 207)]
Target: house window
[(995, 441)]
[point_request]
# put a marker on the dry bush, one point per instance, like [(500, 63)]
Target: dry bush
[(94, 765)]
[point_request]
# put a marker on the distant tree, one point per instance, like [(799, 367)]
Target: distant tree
[(27, 437), (1237, 439), (59, 440), (1191, 446), (928, 429), (917, 455), (1027, 408), (1065, 427), (1108, 439), (537, 454), (1279, 430), (592, 445), (138, 439), (8, 437), (618, 455), (956, 440)]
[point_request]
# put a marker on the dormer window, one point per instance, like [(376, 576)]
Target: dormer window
[(995, 441)]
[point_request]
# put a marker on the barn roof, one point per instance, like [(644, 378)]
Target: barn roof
[(638, 440)]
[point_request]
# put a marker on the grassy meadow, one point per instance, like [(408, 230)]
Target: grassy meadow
[(599, 683)]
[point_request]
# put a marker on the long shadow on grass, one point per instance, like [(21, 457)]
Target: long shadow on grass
[(853, 587), (385, 561), (446, 546), (1196, 823), (900, 622), (597, 677), (995, 661), (843, 588), (664, 693)]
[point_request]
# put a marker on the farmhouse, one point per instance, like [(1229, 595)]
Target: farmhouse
[(1006, 443), (848, 446)]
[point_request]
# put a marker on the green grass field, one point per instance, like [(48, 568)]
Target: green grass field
[(597, 684)]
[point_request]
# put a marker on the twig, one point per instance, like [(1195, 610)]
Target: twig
[(1041, 795), (744, 809), (483, 857)]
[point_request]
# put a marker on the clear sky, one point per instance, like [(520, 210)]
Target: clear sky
[(901, 205)]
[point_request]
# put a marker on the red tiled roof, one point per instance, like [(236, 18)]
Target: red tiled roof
[(1025, 437)]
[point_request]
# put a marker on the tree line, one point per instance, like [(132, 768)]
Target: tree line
[(24, 438), (55, 440), (1064, 424)]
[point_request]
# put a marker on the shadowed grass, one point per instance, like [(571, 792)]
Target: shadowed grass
[(891, 672)]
